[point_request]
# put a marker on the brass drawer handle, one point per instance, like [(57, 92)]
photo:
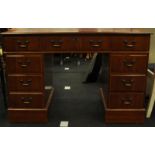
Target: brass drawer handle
[(127, 101), (25, 83), (56, 45), (129, 44), (128, 63), (26, 100), (23, 44), (24, 41), (127, 83), (95, 43), (24, 64)]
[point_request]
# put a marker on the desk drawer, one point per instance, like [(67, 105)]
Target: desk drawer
[(26, 101), (25, 83), (58, 43), (127, 83), (21, 43), (126, 100), (130, 43), (135, 64), (23, 64), (95, 43)]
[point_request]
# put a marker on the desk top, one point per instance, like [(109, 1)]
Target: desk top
[(16, 31)]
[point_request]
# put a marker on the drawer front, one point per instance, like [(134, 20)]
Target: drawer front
[(25, 83), (58, 43), (130, 43), (23, 64), (128, 63), (126, 100), (21, 43), (95, 43), (26, 101), (127, 83), (125, 116)]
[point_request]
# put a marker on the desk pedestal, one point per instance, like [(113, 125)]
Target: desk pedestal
[(122, 115)]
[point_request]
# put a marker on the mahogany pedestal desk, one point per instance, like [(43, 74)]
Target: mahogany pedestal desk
[(127, 52)]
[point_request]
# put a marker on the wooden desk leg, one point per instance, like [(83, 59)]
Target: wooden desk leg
[(151, 102)]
